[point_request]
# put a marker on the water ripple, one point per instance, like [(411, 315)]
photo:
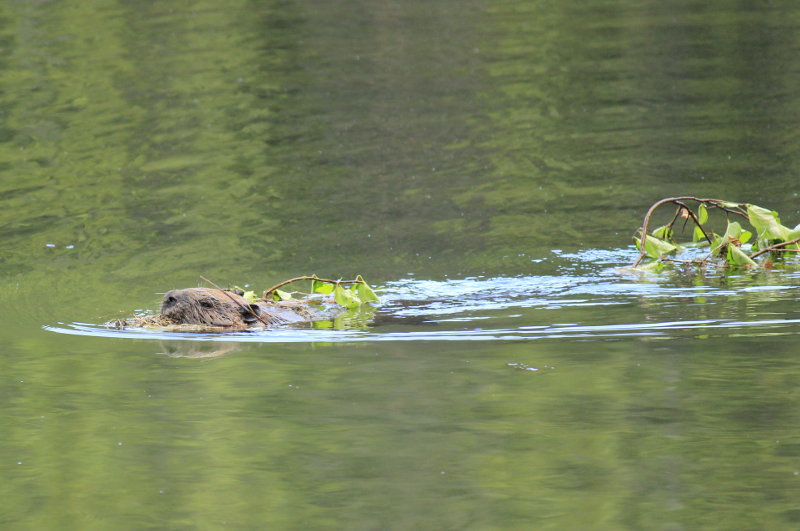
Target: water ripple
[(654, 330), (602, 303)]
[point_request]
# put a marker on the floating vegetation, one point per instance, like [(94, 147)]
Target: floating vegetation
[(759, 243)]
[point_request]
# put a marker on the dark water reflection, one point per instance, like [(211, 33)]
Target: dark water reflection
[(485, 163)]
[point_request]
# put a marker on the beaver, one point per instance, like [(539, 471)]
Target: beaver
[(209, 310), (228, 309)]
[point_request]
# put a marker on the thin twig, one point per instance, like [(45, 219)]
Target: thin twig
[(718, 204), (696, 221), (246, 308), (777, 247), (675, 217)]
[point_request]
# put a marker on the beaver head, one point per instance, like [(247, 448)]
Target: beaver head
[(213, 307)]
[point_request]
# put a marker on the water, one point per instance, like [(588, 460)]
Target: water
[(507, 308), (484, 164)]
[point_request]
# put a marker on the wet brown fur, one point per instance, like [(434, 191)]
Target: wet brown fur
[(218, 308), (215, 310), (212, 307)]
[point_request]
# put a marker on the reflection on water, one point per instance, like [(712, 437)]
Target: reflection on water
[(175, 349)]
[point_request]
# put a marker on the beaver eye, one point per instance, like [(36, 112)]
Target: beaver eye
[(171, 299), (206, 304)]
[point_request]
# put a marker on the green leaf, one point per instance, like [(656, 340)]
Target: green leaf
[(767, 224), (698, 234), (250, 296), (663, 232), (733, 231), (365, 293), (738, 257), (280, 295), (652, 267), (745, 236), (345, 297), (717, 243), (321, 287), (655, 248), (702, 213)]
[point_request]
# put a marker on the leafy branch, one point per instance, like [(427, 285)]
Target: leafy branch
[(771, 236), (358, 293)]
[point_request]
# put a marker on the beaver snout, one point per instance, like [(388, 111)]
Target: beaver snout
[(169, 300)]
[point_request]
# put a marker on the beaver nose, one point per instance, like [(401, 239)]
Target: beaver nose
[(168, 301)]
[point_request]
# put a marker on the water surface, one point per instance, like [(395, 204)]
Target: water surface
[(484, 163)]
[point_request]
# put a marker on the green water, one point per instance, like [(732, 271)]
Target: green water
[(483, 163)]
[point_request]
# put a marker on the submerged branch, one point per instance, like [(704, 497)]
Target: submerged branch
[(696, 261)]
